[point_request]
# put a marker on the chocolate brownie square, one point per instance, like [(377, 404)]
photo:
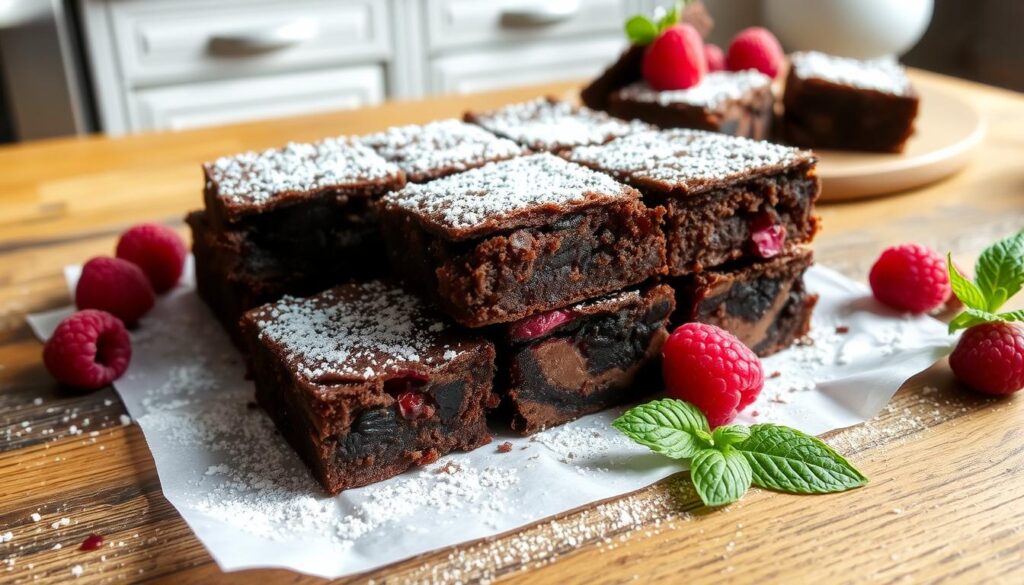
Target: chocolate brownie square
[(302, 198), (727, 198), (551, 125), (365, 381), (234, 273), (739, 103), (840, 103), (440, 148), (513, 238), (566, 363), (765, 304)]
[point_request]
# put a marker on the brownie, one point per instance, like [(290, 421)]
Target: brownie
[(299, 199), (765, 304), (560, 365), (723, 195), (846, 104), (440, 148), (548, 124), (739, 103), (365, 381), (234, 273), (510, 239), (628, 68)]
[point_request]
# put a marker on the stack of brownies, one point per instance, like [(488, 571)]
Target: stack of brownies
[(526, 262)]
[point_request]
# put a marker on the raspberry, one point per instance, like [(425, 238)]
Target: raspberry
[(768, 237), (412, 405), (116, 286), (755, 48), (715, 57), (540, 324), (910, 277), (158, 250), (710, 368), (990, 358), (675, 60), (88, 350)]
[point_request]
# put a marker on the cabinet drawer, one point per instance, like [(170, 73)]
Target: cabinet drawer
[(224, 102), (459, 23), (537, 63), (171, 41)]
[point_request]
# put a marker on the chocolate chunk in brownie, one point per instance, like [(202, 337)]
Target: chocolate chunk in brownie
[(513, 238), (739, 103), (846, 104), (365, 381), (765, 304), (440, 148), (724, 195), (563, 364), (548, 124), (300, 198)]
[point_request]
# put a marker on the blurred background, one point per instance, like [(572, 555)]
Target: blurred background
[(122, 66)]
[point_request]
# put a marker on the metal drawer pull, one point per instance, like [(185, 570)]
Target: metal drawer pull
[(548, 13), (256, 41)]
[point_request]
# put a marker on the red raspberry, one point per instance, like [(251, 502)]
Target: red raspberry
[(768, 237), (710, 368), (755, 48), (116, 286), (539, 324), (990, 358), (158, 250), (910, 277), (88, 350), (715, 57), (412, 405), (675, 60)]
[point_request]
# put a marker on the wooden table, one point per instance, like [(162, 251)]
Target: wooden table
[(946, 501)]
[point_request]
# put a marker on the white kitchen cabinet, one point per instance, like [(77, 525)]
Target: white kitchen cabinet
[(172, 64)]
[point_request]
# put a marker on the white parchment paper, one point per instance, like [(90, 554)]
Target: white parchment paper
[(251, 502)]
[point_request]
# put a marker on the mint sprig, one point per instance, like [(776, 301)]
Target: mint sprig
[(999, 274), (726, 462), (641, 30)]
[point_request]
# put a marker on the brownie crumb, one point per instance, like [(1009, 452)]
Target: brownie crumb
[(775, 374), (842, 329), (505, 447)]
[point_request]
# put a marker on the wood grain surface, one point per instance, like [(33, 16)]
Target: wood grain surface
[(945, 504)]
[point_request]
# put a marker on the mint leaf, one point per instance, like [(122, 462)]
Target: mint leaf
[(721, 477), (1000, 270), (787, 460), (965, 289), (640, 30), (971, 317), (671, 17), (1017, 315), (729, 435), (667, 426)]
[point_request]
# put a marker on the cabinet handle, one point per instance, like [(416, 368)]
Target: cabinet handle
[(546, 14), (256, 41)]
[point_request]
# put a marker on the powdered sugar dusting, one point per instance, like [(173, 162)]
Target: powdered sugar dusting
[(358, 332), (686, 159), (716, 89), (440, 148), (255, 178), (552, 125), (884, 75), (500, 191)]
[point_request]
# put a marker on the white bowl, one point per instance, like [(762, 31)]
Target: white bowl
[(862, 29)]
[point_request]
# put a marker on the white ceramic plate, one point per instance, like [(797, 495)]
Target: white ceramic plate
[(947, 131)]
